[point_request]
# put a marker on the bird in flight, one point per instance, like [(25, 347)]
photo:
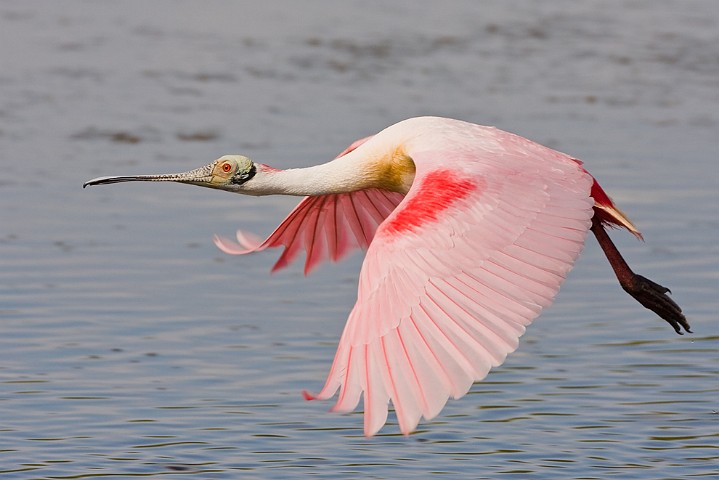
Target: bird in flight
[(469, 232)]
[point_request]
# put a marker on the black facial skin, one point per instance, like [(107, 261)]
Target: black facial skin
[(241, 178)]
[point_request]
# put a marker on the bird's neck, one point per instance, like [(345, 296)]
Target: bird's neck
[(354, 171)]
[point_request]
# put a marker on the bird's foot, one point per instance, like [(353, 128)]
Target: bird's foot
[(654, 297)]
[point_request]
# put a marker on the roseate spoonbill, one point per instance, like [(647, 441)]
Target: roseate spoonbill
[(469, 232)]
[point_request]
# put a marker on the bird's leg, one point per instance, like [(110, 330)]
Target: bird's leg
[(650, 294)]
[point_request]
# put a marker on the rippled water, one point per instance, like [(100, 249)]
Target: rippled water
[(129, 346)]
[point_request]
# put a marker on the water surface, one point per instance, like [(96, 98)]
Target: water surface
[(129, 346)]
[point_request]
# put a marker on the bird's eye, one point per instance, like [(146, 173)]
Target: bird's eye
[(226, 167)]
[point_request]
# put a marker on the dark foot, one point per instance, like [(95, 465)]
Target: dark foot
[(654, 297)]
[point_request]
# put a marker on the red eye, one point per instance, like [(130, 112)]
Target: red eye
[(226, 167)]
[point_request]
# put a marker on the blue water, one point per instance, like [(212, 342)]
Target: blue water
[(130, 346)]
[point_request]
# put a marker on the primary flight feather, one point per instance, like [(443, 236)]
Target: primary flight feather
[(469, 232)]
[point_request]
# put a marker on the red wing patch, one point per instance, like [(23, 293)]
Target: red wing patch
[(438, 191)]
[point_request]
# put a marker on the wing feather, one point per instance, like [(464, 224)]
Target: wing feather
[(325, 227), (376, 398)]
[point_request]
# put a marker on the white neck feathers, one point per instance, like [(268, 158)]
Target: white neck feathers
[(346, 174)]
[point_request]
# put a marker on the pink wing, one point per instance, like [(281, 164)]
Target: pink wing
[(454, 275), (326, 227)]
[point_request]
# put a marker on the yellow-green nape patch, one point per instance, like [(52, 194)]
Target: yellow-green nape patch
[(396, 171)]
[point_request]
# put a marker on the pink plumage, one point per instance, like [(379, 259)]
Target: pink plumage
[(326, 228)]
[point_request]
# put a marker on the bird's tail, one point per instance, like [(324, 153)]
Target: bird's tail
[(608, 213), (605, 210)]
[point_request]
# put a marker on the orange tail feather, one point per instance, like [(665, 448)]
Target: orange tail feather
[(609, 214)]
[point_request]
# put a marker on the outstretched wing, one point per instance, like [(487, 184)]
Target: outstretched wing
[(326, 227), (454, 275)]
